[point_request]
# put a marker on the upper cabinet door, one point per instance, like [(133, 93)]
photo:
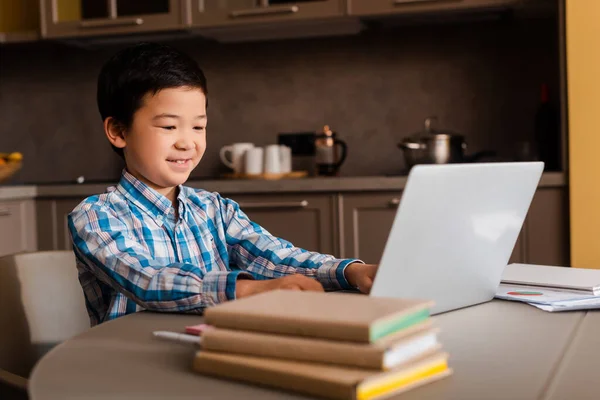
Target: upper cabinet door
[(379, 7), (75, 18), (214, 13)]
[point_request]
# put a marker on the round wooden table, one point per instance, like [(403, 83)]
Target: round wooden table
[(498, 350)]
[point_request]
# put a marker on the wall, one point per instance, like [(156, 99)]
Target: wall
[(481, 79), (583, 64)]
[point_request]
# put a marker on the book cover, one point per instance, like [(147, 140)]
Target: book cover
[(333, 315), (322, 380), (394, 350)]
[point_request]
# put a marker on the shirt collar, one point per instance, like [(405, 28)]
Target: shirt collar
[(149, 200)]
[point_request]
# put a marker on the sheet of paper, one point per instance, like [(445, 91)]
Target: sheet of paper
[(588, 304), (538, 295)]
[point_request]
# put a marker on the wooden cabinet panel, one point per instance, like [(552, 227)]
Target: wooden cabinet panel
[(307, 221), (19, 15), (53, 232), (76, 18), (547, 228), (207, 13), (17, 227), (379, 7), (518, 254), (366, 223)]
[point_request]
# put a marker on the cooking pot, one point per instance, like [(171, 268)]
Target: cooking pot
[(433, 146)]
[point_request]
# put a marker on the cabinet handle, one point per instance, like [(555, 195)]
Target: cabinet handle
[(257, 12), (5, 212), (106, 23), (401, 2), (275, 204), (395, 202)]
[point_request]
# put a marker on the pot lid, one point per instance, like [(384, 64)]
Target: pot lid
[(429, 130)]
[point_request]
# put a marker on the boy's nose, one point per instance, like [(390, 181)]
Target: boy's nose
[(183, 144)]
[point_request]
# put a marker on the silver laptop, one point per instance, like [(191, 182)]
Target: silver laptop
[(454, 232)]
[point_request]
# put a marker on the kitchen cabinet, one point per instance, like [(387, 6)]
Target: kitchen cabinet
[(17, 226), (546, 230), (305, 220), (345, 224), (365, 222), (544, 238), (398, 7), (76, 18), (19, 20), (52, 230), (207, 13), (518, 254)]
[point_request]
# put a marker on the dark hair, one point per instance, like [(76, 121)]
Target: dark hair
[(138, 70)]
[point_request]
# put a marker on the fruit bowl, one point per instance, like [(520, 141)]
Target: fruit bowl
[(9, 165)]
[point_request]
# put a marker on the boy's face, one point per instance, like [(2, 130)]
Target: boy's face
[(167, 138)]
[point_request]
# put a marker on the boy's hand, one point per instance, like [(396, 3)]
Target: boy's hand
[(361, 276), (246, 288)]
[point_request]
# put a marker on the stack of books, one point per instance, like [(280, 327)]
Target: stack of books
[(332, 345)]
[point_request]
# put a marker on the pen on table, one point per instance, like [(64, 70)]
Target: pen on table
[(178, 337)]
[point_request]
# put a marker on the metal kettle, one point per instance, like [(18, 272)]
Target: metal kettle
[(330, 152)]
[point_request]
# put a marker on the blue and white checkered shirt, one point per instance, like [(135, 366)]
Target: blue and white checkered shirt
[(133, 254)]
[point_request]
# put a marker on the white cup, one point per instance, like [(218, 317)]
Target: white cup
[(235, 160), (285, 154), (272, 159), (254, 161)]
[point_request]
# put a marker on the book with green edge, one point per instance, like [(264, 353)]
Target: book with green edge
[(333, 315)]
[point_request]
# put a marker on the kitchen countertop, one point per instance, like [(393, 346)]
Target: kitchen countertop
[(305, 185), (18, 192)]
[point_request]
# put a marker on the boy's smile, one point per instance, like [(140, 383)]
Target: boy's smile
[(167, 138)]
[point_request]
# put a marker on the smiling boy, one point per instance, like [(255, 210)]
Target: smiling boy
[(150, 243)]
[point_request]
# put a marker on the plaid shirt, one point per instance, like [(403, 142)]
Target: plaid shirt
[(133, 254)]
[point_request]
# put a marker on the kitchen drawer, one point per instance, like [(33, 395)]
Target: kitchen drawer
[(379, 7), (305, 220), (17, 227), (206, 13)]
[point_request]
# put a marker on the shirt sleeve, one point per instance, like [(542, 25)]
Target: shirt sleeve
[(108, 249), (253, 248)]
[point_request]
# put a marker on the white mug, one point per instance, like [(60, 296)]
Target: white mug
[(254, 161), (285, 154), (272, 159), (236, 159)]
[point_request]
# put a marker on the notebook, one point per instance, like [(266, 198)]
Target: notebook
[(572, 279), (323, 380), (403, 347), (341, 316)]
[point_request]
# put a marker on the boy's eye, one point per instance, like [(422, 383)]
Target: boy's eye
[(199, 128), (168, 128)]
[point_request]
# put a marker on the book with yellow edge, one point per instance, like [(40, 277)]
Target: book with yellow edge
[(328, 381), (341, 316), (393, 350)]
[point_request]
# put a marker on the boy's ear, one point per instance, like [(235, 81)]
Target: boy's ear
[(115, 132)]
